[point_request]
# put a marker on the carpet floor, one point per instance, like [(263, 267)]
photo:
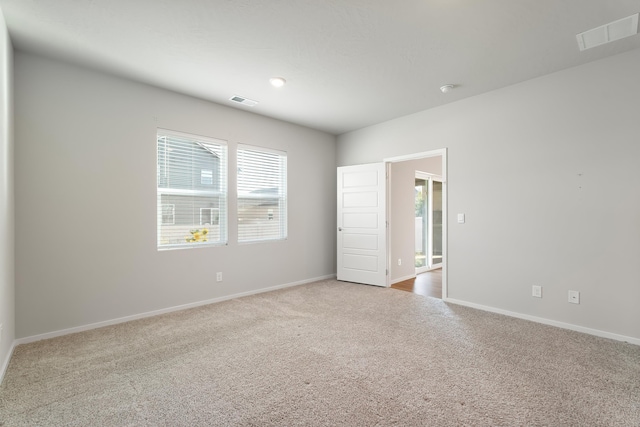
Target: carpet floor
[(324, 354)]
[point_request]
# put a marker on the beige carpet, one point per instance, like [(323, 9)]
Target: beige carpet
[(324, 354)]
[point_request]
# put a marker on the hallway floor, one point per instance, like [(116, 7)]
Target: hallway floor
[(428, 284)]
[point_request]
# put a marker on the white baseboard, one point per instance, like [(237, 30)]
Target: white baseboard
[(590, 331), (96, 325), (402, 279), (5, 362)]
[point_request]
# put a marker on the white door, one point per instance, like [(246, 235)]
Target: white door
[(362, 233)]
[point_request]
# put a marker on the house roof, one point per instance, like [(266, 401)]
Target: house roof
[(208, 149)]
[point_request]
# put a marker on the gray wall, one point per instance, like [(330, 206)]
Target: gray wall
[(402, 214), (6, 197), (547, 174), (85, 140)]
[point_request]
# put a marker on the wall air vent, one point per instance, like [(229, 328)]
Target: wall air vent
[(244, 101), (608, 33)]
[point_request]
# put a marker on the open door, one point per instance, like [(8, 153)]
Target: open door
[(362, 234)]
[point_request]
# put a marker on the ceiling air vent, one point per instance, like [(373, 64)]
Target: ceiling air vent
[(608, 33), (244, 101)]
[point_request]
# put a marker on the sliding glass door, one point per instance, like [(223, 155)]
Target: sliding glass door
[(428, 222), (436, 223), (421, 223)]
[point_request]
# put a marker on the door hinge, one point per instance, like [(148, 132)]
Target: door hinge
[(386, 272)]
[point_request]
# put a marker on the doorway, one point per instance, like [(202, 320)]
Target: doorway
[(374, 232), (401, 213)]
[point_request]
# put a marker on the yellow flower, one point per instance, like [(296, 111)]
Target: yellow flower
[(197, 235)]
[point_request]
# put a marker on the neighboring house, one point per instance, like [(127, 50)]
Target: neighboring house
[(260, 207), (259, 213)]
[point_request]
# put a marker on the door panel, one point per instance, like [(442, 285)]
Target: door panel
[(362, 224), (355, 200), (362, 178), (360, 220), (360, 262), (360, 241)]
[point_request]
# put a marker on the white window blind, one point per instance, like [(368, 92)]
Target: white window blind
[(262, 194), (192, 190)]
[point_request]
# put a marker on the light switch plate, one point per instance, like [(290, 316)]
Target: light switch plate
[(461, 218)]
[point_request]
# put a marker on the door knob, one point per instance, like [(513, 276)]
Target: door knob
[(339, 228)]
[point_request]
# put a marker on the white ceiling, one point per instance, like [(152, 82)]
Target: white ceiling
[(348, 63)]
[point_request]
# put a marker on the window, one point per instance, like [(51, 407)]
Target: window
[(168, 214), (206, 177), (192, 190), (262, 194), (209, 216)]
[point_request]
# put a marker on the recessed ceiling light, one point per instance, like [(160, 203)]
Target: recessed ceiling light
[(446, 88), (277, 81)]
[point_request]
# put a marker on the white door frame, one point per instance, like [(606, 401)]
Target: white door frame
[(445, 252)]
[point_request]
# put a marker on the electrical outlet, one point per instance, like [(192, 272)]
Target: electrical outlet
[(536, 291), (219, 276), (574, 297), (399, 261)]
